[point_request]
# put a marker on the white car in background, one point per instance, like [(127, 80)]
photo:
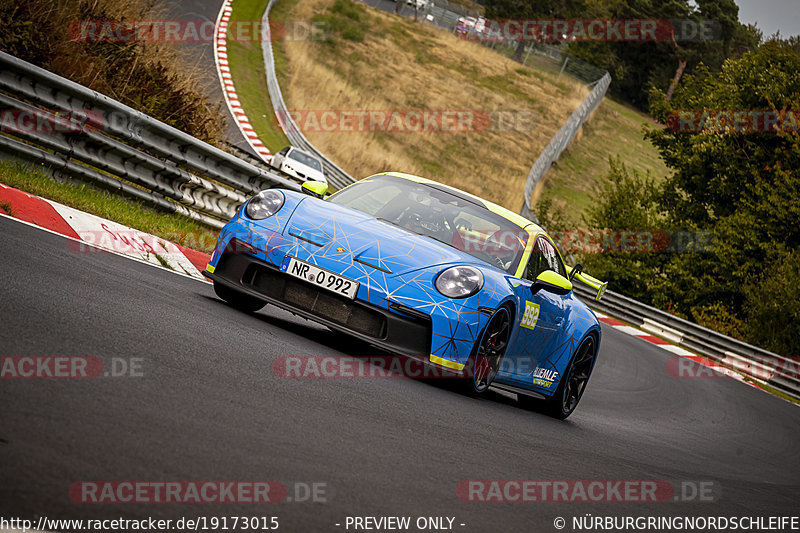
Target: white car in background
[(299, 164), (420, 4), (471, 25)]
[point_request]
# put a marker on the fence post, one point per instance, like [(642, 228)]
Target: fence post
[(566, 60)]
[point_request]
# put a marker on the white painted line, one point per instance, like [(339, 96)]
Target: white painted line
[(630, 330), (676, 350)]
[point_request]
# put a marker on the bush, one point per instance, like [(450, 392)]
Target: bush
[(627, 201), (346, 19), (773, 307), (719, 318)]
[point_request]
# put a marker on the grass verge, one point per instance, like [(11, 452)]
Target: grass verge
[(168, 226), (615, 130), (245, 60), (772, 390)]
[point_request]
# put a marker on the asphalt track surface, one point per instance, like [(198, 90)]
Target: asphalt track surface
[(209, 407), (200, 56)]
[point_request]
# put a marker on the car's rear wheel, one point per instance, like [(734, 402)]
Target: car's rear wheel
[(573, 384), (238, 300), (485, 362)]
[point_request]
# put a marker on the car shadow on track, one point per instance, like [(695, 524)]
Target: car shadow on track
[(307, 329), (369, 354)]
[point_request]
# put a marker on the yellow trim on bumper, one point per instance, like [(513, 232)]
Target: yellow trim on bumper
[(210, 268), (446, 363)]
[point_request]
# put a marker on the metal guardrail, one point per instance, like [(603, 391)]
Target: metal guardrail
[(776, 370), (336, 176), (82, 134), (561, 140)]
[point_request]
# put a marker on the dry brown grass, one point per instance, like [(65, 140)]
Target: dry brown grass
[(402, 65), (158, 78)]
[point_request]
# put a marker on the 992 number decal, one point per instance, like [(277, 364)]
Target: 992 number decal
[(530, 316)]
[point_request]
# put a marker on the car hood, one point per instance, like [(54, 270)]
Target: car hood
[(341, 230)]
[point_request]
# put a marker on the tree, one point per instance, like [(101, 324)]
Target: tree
[(736, 188), (638, 66), (531, 10), (742, 184)]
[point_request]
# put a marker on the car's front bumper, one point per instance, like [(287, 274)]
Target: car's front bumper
[(401, 330)]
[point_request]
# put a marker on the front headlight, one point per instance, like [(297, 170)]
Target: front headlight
[(264, 204), (459, 282)]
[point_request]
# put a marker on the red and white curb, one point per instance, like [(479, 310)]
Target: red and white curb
[(751, 368), (226, 81), (88, 233)]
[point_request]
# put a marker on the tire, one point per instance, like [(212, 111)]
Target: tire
[(238, 300), (570, 389), (482, 367)]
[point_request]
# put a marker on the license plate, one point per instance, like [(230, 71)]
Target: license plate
[(320, 277)]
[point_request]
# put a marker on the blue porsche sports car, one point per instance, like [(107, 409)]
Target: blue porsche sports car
[(422, 270)]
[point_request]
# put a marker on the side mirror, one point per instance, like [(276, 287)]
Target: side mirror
[(577, 269), (317, 189), (551, 282)]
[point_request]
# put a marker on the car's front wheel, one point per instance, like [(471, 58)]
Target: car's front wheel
[(238, 300), (570, 390), (485, 362)]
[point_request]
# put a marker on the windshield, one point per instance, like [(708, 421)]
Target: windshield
[(307, 160), (450, 218)]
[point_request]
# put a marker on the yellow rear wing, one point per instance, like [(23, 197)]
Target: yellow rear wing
[(576, 273)]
